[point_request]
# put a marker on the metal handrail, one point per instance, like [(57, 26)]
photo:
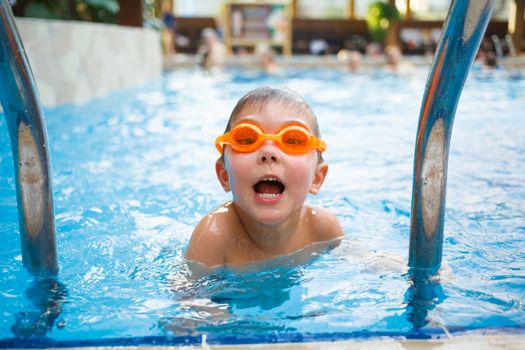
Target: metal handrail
[(462, 33), (27, 131)]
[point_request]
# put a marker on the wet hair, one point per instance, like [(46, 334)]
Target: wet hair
[(258, 98)]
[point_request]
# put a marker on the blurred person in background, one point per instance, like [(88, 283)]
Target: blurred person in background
[(212, 51), (266, 58), (352, 59), (394, 60), (169, 32)]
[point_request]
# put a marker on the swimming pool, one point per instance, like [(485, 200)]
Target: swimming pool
[(134, 172)]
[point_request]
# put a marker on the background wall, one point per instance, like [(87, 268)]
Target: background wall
[(74, 62)]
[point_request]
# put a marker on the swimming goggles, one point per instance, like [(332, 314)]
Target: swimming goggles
[(247, 137)]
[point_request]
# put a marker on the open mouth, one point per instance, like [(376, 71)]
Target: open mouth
[(269, 188)]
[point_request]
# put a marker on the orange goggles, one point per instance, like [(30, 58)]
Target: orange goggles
[(248, 137)]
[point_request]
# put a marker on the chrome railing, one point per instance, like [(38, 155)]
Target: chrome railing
[(27, 131), (462, 34)]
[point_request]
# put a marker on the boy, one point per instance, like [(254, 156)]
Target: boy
[(270, 160)]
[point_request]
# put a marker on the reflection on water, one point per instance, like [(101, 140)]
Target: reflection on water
[(240, 299), (246, 292), (47, 296), (273, 296), (423, 295)]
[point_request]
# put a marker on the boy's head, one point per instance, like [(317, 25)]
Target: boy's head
[(269, 181), (256, 100)]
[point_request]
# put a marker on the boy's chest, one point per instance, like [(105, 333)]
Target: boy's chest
[(243, 250)]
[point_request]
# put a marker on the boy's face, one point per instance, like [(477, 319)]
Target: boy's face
[(269, 184)]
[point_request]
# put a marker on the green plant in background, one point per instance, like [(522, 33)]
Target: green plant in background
[(379, 18), (104, 11)]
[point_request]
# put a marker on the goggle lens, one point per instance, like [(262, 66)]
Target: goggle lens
[(296, 140), (244, 136)]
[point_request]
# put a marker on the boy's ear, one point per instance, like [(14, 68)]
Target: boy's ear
[(222, 174), (319, 176)]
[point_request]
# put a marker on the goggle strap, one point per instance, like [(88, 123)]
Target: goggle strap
[(319, 144), (218, 143)]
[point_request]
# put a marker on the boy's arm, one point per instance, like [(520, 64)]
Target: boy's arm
[(207, 244)]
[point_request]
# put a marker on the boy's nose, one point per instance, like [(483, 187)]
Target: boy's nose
[(269, 152)]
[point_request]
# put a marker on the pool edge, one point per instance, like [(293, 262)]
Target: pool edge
[(470, 340)]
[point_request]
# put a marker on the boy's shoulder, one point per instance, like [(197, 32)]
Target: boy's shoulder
[(212, 235), (323, 224)]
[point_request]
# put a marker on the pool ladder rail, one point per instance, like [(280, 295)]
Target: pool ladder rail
[(462, 33), (27, 131)]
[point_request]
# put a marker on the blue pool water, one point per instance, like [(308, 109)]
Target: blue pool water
[(134, 172)]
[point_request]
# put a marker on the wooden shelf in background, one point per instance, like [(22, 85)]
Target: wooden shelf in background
[(249, 23)]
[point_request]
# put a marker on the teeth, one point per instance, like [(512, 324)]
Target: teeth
[(268, 195), (269, 179)]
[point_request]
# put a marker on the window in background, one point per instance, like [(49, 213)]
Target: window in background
[(420, 9), (429, 9), (402, 7), (501, 10), (322, 9), (361, 8), (198, 8), (438, 9)]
